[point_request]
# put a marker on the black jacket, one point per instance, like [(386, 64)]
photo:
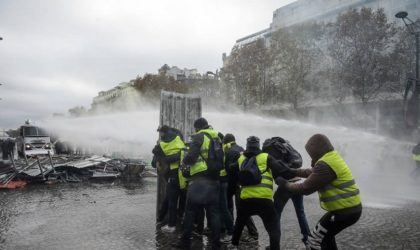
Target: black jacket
[(231, 161)]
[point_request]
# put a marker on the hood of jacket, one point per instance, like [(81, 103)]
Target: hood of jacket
[(250, 153), (167, 137), (317, 146)]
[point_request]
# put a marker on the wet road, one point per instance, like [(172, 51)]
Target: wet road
[(122, 216)]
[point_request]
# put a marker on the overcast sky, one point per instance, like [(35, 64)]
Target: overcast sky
[(57, 54)]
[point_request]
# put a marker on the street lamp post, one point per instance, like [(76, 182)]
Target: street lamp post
[(414, 29)]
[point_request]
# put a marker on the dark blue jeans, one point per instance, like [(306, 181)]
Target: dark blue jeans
[(172, 192), (280, 199), (202, 193), (225, 215)]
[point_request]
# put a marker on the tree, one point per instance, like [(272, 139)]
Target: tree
[(244, 73), (78, 111), (291, 66), (363, 47), (150, 85)]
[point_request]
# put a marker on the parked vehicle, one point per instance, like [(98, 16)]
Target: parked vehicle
[(33, 140)]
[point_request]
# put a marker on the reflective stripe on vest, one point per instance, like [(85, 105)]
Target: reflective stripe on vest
[(264, 190), (181, 178), (200, 165), (416, 157), (172, 147), (343, 192)]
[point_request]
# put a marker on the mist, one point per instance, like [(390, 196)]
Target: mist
[(382, 167)]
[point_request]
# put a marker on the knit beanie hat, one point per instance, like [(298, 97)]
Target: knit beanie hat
[(228, 138), (252, 143), (201, 123)]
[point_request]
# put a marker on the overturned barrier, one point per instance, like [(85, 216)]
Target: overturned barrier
[(178, 111)]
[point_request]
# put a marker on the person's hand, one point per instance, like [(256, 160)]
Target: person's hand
[(281, 182), (294, 172)]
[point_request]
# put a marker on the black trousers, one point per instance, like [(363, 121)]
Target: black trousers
[(264, 208), (323, 235), (172, 194), (252, 229), (202, 194)]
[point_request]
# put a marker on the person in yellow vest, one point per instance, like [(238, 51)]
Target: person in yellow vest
[(338, 192), (203, 187), (257, 199), (232, 153), (168, 150)]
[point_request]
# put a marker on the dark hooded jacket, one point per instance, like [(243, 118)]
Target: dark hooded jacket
[(321, 173)]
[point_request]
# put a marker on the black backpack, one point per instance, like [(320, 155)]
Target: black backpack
[(281, 150), (214, 160), (249, 172)]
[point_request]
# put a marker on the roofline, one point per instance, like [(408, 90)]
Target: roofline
[(252, 35)]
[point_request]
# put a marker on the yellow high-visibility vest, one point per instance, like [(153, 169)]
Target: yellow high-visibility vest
[(343, 191), (264, 190), (172, 147), (201, 165)]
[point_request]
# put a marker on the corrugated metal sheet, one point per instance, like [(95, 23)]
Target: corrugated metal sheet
[(83, 163), (177, 111)]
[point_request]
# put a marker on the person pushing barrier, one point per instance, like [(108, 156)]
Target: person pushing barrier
[(338, 192)]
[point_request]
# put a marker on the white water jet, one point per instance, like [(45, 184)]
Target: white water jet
[(382, 166)]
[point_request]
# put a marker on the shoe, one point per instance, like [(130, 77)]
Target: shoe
[(168, 229), (226, 239), (307, 247), (180, 245), (306, 243), (195, 234), (206, 231), (230, 246), (248, 239), (160, 223)]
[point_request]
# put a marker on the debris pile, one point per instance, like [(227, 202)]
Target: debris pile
[(67, 168)]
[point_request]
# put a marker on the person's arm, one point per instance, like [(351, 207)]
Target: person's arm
[(194, 151), (172, 158), (157, 151), (231, 157), (304, 173), (278, 168), (321, 175), (154, 161)]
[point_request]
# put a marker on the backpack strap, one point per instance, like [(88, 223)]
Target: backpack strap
[(210, 138), (255, 157)]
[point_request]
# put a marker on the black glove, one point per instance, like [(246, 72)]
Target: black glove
[(293, 171), (185, 170), (281, 182)]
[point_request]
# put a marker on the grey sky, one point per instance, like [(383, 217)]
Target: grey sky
[(56, 54)]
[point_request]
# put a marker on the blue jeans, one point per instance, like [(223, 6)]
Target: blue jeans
[(280, 199), (225, 215), (202, 193)]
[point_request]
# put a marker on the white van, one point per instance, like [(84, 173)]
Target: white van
[(33, 140)]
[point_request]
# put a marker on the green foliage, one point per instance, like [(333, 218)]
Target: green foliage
[(150, 85)]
